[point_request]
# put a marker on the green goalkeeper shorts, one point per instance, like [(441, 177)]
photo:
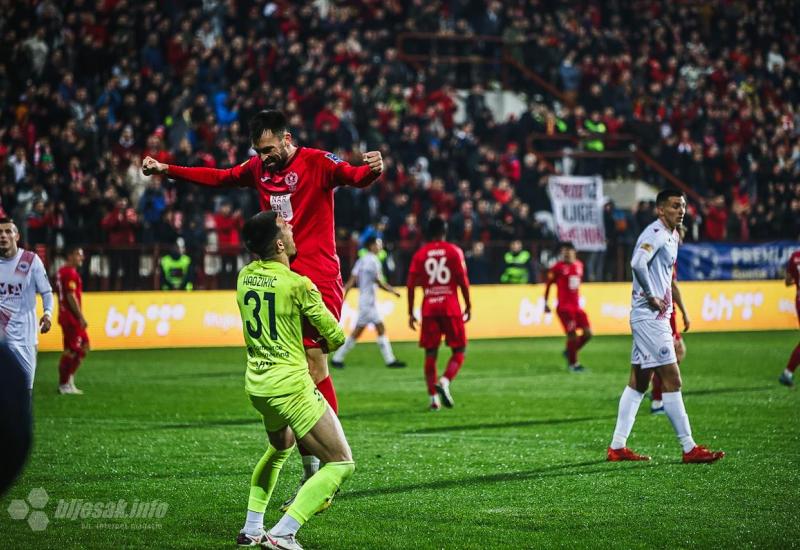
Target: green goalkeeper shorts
[(299, 410)]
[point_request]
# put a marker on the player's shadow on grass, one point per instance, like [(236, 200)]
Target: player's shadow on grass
[(558, 470), (502, 425), (714, 391)]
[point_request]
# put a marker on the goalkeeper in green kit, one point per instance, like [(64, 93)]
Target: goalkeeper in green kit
[(273, 301)]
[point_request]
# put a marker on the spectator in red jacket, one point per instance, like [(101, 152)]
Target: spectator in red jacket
[(716, 214), (228, 223), (120, 227)]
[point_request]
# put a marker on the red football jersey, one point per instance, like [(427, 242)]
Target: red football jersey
[(439, 268), (68, 281), (567, 278), (793, 268), (302, 193)]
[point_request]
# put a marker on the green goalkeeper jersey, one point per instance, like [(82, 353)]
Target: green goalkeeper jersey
[(273, 302)]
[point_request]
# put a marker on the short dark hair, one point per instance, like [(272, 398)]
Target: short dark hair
[(71, 249), (272, 120), (259, 234), (566, 244), (6, 219), (369, 241), (437, 227), (667, 194)]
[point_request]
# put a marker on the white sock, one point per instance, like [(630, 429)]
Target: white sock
[(349, 343), (788, 374), (656, 404), (676, 412), (628, 407), (444, 381), (435, 399), (310, 466), (254, 522), (286, 526), (386, 349)]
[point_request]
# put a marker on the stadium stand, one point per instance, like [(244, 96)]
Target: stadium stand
[(706, 91)]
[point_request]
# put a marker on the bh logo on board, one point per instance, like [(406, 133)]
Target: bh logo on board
[(133, 322)]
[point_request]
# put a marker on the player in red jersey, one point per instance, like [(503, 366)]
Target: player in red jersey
[(793, 278), (73, 323), (656, 404), (567, 274), (298, 183), (439, 268)]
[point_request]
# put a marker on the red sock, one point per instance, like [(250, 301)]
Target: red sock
[(325, 387), (794, 360), (430, 374), (64, 368), (75, 364), (656, 387), (454, 365), (581, 342), (572, 350)]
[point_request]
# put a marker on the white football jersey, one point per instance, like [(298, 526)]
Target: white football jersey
[(659, 246), (367, 271), (21, 278)]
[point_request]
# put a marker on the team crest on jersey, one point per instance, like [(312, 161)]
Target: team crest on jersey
[(333, 158), (291, 181), (664, 351)]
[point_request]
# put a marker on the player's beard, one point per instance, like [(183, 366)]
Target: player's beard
[(278, 164)]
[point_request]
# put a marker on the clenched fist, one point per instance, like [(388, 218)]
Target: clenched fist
[(374, 160), (151, 166)]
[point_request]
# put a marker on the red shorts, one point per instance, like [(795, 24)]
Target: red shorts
[(333, 298), (573, 319), (450, 326), (75, 338)]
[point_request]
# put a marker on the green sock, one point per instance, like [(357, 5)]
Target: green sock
[(318, 491), (265, 476)]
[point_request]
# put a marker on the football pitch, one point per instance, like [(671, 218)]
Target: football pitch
[(518, 463)]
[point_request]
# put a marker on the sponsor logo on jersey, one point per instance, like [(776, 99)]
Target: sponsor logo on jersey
[(265, 178), (333, 158), (10, 289), (664, 351)]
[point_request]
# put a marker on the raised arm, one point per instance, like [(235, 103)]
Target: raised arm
[(359, 176), (238, 176)]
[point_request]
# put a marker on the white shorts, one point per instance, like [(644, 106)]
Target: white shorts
[(26, 355), (368, 316), (652, 344)]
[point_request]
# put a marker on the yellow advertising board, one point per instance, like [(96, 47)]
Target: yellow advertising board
[(129, 320)]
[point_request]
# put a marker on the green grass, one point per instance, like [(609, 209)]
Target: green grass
[(519, 463)]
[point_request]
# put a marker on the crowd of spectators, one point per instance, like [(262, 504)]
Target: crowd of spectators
[(88, 88)]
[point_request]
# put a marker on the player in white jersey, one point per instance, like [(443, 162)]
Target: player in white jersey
[(653, 349), (22, 276), (368, 273)]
